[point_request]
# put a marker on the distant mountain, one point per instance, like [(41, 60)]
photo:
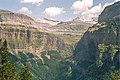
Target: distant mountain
[(8, 16), (47, 21), (44, 44), (75, 27), (92, 21)]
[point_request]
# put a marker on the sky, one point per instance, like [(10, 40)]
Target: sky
[(61, 10)]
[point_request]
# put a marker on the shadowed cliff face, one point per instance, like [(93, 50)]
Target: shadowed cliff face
[(110, 12), (105, 32), (88, 44), (87, 50)]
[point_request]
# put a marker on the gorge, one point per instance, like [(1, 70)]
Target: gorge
[(64, 50)]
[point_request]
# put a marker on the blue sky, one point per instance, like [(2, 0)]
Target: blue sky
[(56, 9)]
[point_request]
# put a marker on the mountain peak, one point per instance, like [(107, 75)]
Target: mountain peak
[(93, 20)]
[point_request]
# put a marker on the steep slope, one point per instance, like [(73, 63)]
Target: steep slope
[(41, 45), (26, 39), (8, 16), (21, 34), (110, 12), (71, 31), (106, 32)]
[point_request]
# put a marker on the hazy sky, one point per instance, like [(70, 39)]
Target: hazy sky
[(57, 9)]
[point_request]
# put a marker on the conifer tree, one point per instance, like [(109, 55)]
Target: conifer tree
[(7, 70)]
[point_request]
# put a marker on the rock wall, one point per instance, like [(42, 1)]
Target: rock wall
[(110, 12), (107, 31), (30, 39), (7, 16)]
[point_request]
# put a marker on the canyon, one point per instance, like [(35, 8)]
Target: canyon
[(56, 50)]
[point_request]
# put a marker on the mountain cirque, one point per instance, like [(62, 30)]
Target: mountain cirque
[(37, 35)]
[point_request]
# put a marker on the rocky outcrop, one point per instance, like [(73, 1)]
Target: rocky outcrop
[(110, 12), (107, 31), (74, 27), (64, 30), (23, 35), (7, 16), (32, 40), (88, 44)]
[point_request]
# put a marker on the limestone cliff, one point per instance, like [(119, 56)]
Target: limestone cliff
[(8, 16), (27, 34), (26, 39), (21, 34)]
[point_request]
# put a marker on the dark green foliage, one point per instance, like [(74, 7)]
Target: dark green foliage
[(44, 68), (100, 61), (28, 35), (106, 54), (8, 70), (113, 75), (4, 52), (103, 68), (25, 74)]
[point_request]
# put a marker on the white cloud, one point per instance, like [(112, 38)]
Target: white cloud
[(38, 2), (53, 11), (91, 13), (81, 6), (86, 9), (25, 10), (96, 9)]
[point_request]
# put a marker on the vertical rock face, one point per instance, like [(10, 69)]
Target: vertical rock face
[(24, 33), (89, 42), (16, 28), (30, 39), (48, 50), (102, 33), (87, 48)]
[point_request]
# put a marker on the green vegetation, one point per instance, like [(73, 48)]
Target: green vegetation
[(25, 74), (104, 68), (28, 36), (99, 64), (8, 71), (51, 65)]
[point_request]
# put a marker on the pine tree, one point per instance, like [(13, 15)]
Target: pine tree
[(7, 70)]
